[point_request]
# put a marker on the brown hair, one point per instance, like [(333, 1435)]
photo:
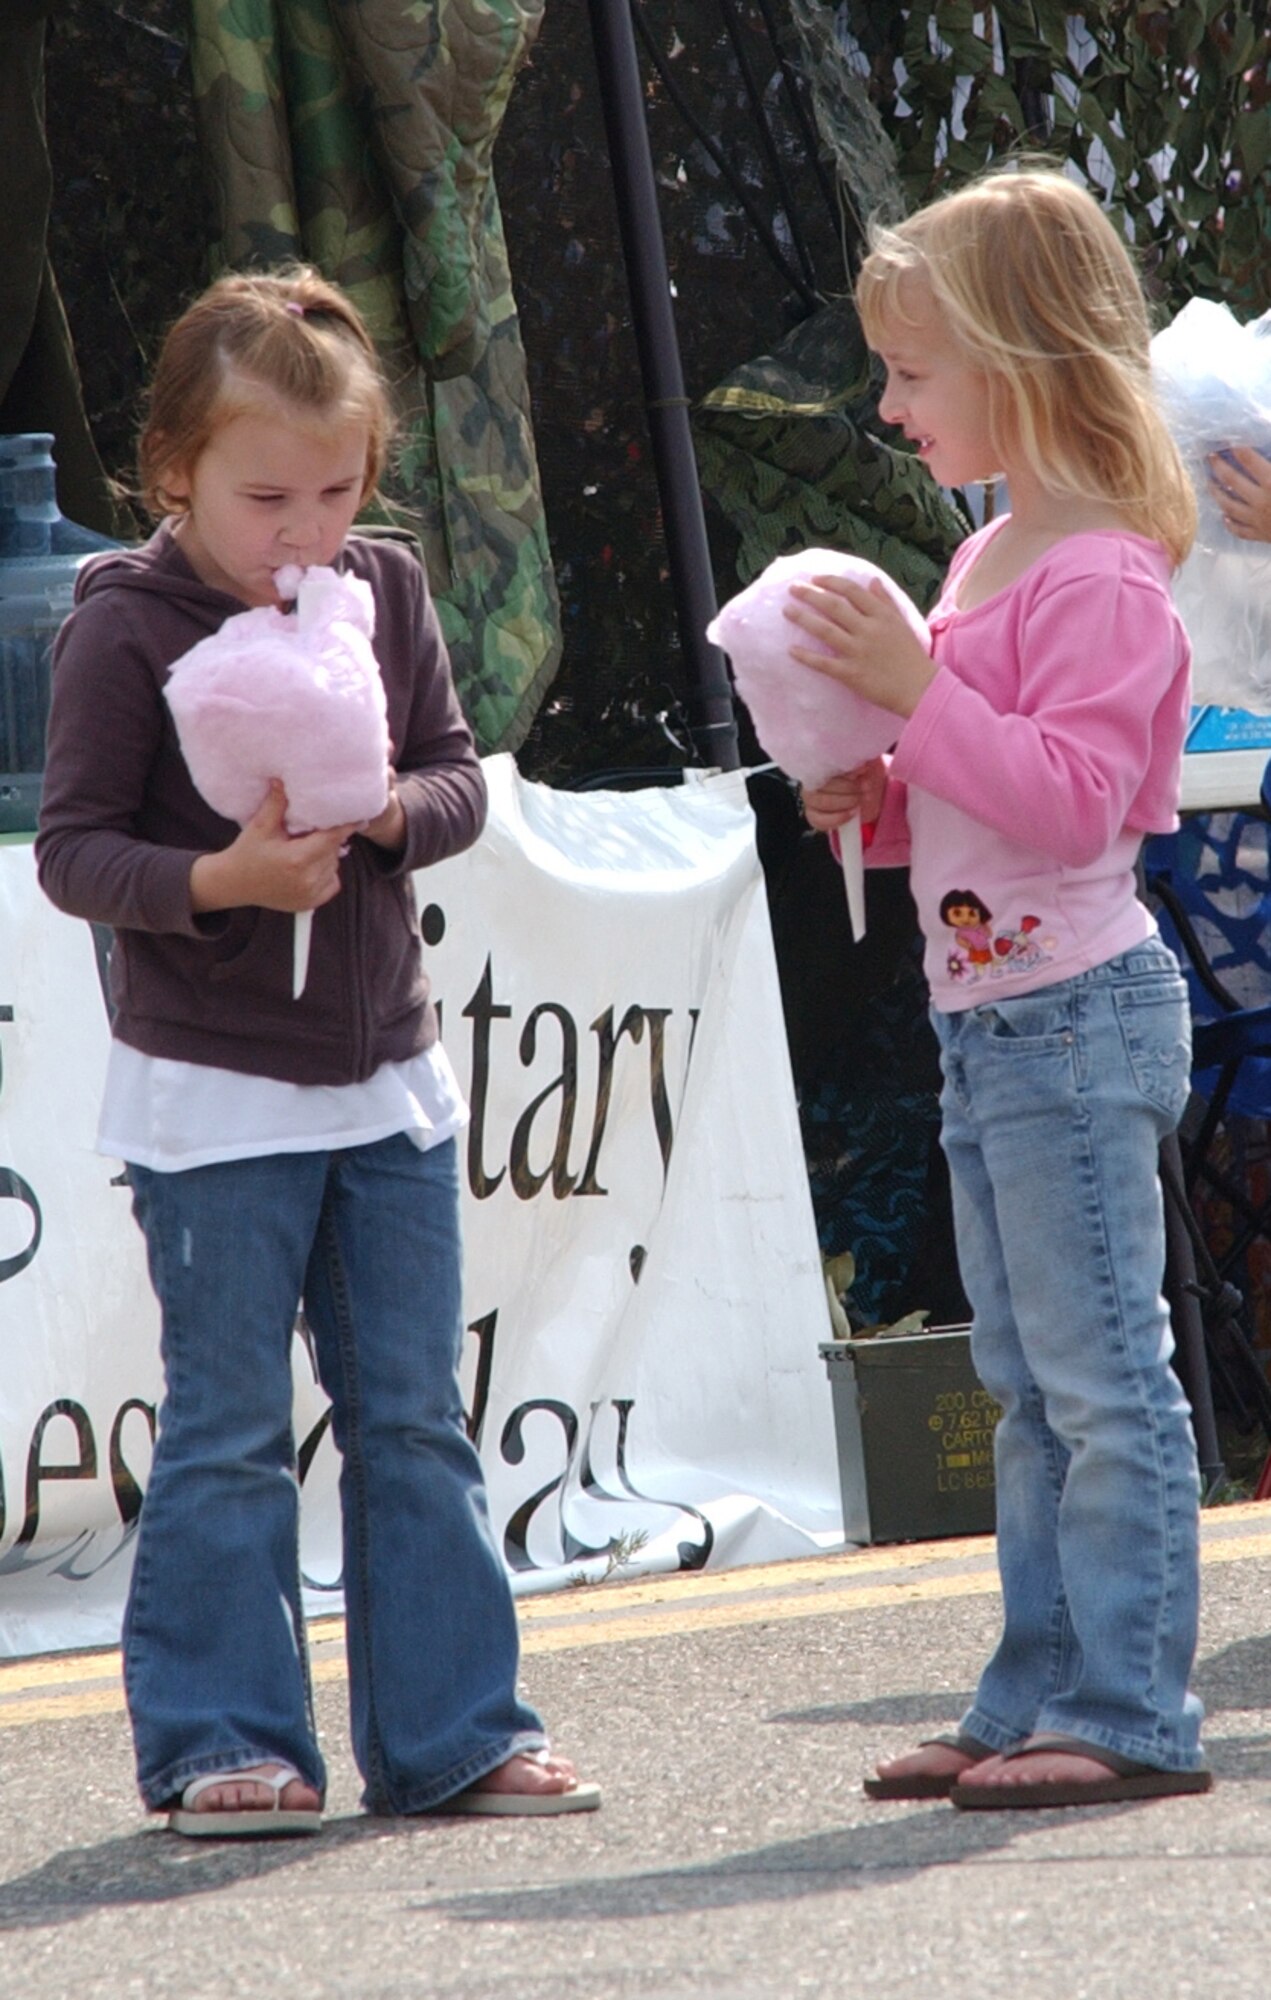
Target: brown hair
[(1038, 290), (253, 337)]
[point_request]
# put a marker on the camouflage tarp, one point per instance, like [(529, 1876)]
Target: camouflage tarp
[(358, 134), (787, 449)]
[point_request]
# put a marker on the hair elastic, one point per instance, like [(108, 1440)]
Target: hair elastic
[(294, 306)]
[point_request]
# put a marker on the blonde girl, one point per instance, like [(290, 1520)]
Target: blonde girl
[(285, 1151), (1036, 746)]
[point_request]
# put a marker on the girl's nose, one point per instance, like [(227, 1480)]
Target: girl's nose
[(300, 531)]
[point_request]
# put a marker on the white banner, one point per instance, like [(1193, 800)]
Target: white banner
[(644, 1298)]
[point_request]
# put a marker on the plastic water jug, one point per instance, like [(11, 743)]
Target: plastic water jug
[(40, 556)]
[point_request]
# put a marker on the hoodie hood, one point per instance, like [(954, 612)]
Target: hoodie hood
[(158, 567)]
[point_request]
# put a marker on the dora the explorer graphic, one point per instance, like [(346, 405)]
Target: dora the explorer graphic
[(979, 950), (969, 920)]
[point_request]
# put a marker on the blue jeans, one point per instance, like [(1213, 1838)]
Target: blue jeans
[(1054, 1106), (214, 1646)]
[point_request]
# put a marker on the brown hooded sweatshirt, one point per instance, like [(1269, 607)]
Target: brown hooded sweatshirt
[(122, 823)]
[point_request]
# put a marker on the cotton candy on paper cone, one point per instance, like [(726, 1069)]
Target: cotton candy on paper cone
[(809, 723), (292, 695)]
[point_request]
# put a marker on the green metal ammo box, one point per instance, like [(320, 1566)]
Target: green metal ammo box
[(915, 1436)]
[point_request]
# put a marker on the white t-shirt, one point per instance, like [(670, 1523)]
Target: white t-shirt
[(172, 1115)]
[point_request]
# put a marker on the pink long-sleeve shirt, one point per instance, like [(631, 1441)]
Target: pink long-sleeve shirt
[(1048, 744)]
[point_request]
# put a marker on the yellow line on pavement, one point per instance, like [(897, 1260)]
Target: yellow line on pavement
[(803, 1569), (827, 1602), (758, 1611), (61, 1708), (55, 1688)]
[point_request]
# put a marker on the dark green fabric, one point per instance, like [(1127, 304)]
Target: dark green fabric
[(39, 382), (358, 134), (788, 448)]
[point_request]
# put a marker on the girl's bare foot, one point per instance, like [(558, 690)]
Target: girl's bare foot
[(929, 1772), (1063, 1771), (534, 1782), (532, 1772), (1037, 1767), (240, 1792), (258, 1801), (935, 1760)]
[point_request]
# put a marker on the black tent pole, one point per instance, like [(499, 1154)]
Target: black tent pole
[(713, 726)]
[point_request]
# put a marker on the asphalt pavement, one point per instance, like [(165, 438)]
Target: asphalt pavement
[(729, 1719)]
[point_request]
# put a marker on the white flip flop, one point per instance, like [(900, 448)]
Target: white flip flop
[(243, 1822), (522, 1805)]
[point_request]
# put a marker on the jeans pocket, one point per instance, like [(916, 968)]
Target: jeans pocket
[(1033, 1021), (1155, 1029)]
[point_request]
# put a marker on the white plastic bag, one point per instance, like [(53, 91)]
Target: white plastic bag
[(1213, 377)]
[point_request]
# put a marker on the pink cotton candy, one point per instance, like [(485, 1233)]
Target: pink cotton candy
[(291, 695), (812, 726)]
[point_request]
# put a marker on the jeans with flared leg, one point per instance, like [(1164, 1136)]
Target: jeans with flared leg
[(214, 1650)]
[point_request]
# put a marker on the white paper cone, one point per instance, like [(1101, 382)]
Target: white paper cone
[(852, 855), (300, 951)]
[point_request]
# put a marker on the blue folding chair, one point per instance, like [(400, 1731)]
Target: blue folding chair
[(1211, 883)]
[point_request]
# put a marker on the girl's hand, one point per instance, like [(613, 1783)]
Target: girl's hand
[(853, 792), (1243, 493), (863, 641), (388, 829), (268, 868)]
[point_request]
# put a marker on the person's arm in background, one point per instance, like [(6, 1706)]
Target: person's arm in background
[(1240, 481)]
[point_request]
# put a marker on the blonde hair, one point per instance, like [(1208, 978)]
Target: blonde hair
[(1039, 291), (252, 339)]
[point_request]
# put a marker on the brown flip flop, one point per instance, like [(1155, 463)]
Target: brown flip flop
[(1126, 1780)]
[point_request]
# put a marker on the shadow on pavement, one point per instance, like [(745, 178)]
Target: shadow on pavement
[(817, 1864), (1236, 1676), (153, 1866), (908, 1711)]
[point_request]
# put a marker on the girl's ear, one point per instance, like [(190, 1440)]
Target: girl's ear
[(172, 489), (174, 482)]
